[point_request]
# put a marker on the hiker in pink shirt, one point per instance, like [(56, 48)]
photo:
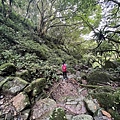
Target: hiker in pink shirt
[(64, 70)]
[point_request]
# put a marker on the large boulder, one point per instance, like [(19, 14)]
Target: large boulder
[(63, 90), (14, 107), (24, 74), (101, 114), (36, 86), (43, 109), (92, 105), (7, 69), (13, 84), (110, 64), (20, 101), (99, 77)]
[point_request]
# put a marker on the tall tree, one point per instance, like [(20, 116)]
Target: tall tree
[(57, 13)]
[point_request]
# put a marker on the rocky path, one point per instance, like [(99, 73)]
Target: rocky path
[(65, 95), (69, 95), (73, 99)]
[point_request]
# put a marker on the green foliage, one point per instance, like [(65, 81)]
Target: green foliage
[(32, 46), (115, 114), (10, 56), (58, 114), (29, 61), (50, 73), (14, 26), (106, 46), (1, 18), (7, 32), (29, 52), (20, 3), (118, 60)]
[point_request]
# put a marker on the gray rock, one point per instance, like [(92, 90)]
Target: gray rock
[(82, 117), (20, 101), (91, 105), (14, 85), (71, 103), (43, 109), (1, 78), (69, 117)]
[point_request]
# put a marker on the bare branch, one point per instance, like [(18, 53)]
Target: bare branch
[(98, 45), (28, 8), (116, 26), (108, 31)]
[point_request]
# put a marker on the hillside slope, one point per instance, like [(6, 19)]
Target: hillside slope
[(20, 44)]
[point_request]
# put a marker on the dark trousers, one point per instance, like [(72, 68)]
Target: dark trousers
[(65, 75)]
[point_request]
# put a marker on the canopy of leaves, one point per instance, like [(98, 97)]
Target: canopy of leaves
[(68, 21)]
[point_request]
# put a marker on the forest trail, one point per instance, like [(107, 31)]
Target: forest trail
[(69, 95), (73, 98), (66, 94)]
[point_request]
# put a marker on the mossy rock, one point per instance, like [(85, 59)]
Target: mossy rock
[(110, 64), (4, 81), (7, 69), (1, 78), (13, 85), (99, 77), (105, 99), (24, 74), (36, 86)]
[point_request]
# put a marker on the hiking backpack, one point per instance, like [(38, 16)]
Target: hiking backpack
[(64, 68)]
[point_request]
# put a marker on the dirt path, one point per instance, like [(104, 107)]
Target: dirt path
[(69, 95)]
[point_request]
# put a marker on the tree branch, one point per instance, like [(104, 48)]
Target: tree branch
[(108, 31), (111, 39), (28, 8)]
